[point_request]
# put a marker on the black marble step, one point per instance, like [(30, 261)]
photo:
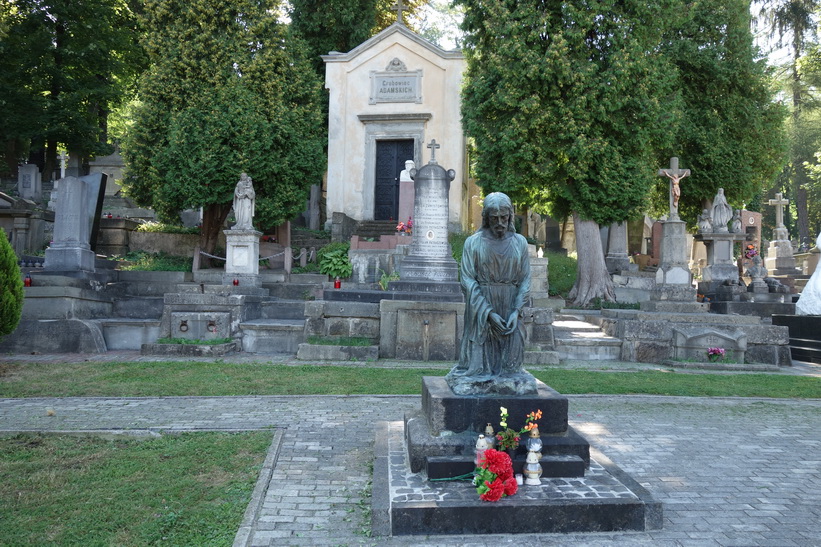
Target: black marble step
[(552, 466)]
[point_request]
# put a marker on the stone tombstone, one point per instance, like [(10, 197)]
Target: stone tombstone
[(780, 258), (655, 239), (692, 343), (70, 250), (617, 259), (751, 227), (29, 183), (430, 256), (96, 194)]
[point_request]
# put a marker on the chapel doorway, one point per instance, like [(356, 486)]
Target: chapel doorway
[(391, 156)]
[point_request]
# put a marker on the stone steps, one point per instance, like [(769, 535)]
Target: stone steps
[(283, 309), (129, 334), (277, 336), (576, 338)]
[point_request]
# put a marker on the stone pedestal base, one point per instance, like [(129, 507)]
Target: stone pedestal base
[(68, 259), (242, 257), (577, 492), (447, 412)]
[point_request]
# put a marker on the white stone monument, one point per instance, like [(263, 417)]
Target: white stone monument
[(780, 259), (242, 240), (674, 290), (70, 250)]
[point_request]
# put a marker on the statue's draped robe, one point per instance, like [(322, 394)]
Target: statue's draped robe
[(810, 301), (244, 196), (495, 277)]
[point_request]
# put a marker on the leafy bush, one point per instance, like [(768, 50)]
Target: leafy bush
[(161, 227), (156, 262), (457, 245), (11, 296), (561, 273), (387, 278), (333, 260)]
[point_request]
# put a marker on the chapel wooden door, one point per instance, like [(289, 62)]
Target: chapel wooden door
[(390, 160)]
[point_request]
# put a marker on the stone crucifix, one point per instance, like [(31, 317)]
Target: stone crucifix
[(675, 175), (780, 232), (779, 202), (433, 147), (399, 7)]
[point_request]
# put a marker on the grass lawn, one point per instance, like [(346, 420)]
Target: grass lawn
[(220, 378), (189, 489)]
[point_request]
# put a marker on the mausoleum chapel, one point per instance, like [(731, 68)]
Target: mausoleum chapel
[(389, 97)]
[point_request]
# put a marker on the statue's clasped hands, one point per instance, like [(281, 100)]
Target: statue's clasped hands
[(501, 327)]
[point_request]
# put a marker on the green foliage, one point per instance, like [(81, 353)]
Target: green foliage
[(386, 278), (187, 489), (561, 273), (162, 227), (65, 64), (333, 260), (156, 262), (12, 293), (731, 133), (568, 102), (457, 245), (310, 267), (230, 90)]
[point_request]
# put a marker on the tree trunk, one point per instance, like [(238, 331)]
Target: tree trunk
[(592, 279), (213, 219), (799, 182), (10, 157)]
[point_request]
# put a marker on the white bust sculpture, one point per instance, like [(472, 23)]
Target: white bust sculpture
[(244, 197), (405, 176)]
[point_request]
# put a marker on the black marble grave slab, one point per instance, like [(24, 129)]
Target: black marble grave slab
[(422, 444), (405, 503), (446, 411)]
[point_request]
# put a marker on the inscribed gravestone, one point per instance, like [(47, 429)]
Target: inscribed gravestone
[(29, 184), (70, 250)]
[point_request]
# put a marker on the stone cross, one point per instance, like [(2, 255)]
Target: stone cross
[(675, 175), (399, 7), (779, 203), (433, 147)]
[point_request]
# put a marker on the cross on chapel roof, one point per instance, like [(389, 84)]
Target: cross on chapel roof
[(399, 7)]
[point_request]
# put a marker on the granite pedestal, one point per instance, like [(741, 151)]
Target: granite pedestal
[(577, 492)]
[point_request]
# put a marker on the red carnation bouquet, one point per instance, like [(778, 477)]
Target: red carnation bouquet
[(494, 476)]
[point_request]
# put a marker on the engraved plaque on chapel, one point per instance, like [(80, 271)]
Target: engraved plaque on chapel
[(396, 84)]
